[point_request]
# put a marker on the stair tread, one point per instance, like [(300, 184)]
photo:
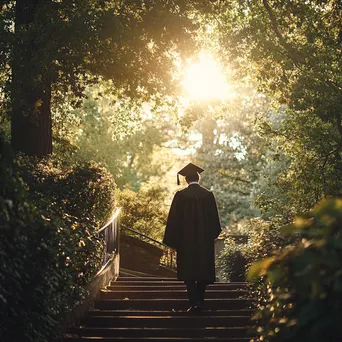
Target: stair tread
[(167, 299), (136, 315), (159, 329), (156, 279), (166, 339), (202, 316), (160, 312), (174, 290)]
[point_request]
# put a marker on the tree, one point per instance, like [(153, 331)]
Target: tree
[(232, 152), (293, 49), (119, 137), (130, 138), (65, 45)]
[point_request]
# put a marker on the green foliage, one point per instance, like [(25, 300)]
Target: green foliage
[(120, 135), (26, 240), (84, 190), (48, 251), (232, 152), (144, 210), (300, 167), (58, 48), (232, 262), (292, 49), (304, 282), (264, 237), (80, 41)]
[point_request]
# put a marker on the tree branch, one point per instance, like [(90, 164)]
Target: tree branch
[(242, 192), (339, 124), (237, 179), (337, 149), (292, 53), (296, 57)]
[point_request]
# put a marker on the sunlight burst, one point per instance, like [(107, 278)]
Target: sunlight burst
[(204, 80)]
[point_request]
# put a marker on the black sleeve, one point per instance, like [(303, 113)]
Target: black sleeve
[(215, 218), (171, 235)]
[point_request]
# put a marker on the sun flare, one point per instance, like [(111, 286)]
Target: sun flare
[(204, 80)]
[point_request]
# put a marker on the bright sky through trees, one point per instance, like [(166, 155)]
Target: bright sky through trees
[(204, 80)]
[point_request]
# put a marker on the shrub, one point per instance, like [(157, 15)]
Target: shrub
[(48, 252), (232, 261), (26, 259), (144, 210), (304, 281), (84, 190), (263, 238)]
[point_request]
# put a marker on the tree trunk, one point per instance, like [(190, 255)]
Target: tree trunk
[(31, 88)]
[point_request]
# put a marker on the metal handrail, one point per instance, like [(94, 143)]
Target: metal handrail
[(169, 255), (111, 232), (145, 236), (115, 215)]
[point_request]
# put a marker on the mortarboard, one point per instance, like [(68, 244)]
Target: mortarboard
[(187, 170)]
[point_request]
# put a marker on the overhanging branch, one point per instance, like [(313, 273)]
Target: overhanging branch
[(238, 179), (292, 53), (337, 149), (297, 58)]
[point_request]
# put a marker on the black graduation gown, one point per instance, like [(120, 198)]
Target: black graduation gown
[(192, 226)]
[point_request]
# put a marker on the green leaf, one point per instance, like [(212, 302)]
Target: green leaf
[(259, 269)]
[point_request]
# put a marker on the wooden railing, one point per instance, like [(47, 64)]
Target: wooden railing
[(168, 258)]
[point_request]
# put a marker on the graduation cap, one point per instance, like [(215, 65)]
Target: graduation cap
[(190, 169)]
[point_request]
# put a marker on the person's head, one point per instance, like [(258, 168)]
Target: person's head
[(191, 172), (192, 177)]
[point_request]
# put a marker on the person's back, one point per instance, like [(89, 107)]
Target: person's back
[(197, 233), (192, 226)]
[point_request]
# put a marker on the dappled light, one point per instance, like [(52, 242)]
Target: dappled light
[(103, 102)]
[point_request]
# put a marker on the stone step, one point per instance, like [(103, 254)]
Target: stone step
[(127, 273), (155, 339), (167, 283), (195, 321), (166, 279), (169, 304), (157, 286), (163, 332), (135, 309), (146, 283), (170, 313), (171, 294), (120, 278)]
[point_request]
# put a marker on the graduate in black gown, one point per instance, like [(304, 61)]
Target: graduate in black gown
[(192, 226)]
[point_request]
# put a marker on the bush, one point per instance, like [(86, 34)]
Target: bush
[(26, 256), (48, 253), (304, 281), (144, 210), (263, 238), (232, 261), (84, 190)]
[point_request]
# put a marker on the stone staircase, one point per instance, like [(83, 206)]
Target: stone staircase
[(154, 309)]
